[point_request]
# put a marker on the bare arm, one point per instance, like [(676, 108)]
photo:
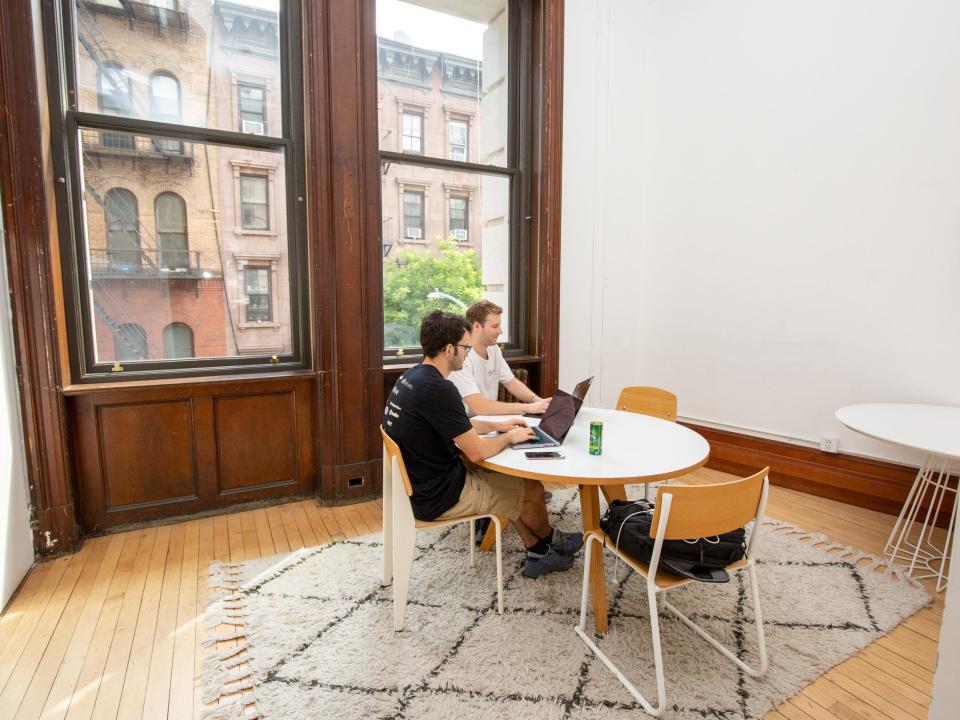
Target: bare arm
[(479, 405), (478, 448)]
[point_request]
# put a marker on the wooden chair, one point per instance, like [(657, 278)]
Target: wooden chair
[(649, 401), (683, 512), (400, 530)]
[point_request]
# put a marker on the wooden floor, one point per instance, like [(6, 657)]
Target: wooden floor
[(114, 631)]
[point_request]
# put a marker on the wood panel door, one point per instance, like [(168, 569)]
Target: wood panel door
[(159, 451)]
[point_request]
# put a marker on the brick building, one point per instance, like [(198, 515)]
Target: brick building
[(187, 241)]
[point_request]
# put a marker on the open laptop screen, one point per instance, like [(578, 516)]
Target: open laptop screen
[(560, 414), (580, 391)]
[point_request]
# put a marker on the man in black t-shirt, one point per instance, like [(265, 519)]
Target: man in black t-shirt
[(424, 415)]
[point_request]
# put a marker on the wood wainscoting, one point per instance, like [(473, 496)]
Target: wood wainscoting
[(155, 451), (866, 483)]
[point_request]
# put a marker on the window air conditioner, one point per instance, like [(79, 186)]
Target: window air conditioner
[(414, 233), (459, 235), (253, 127)]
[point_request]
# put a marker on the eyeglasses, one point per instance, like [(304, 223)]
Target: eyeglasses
[(466, 348)]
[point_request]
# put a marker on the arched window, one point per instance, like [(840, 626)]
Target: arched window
[(123, 230), (177, 341), (170, 213), (115, 97), (130, 342), (164, 97), (165, 107)]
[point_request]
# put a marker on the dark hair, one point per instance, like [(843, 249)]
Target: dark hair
[(477, 313), (439, 329)]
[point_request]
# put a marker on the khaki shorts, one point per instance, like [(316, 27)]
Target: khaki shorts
[(488, 493)]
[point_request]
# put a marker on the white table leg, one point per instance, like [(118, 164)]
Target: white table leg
[(933, 485)]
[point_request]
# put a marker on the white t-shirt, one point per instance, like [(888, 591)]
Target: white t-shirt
[(482, 376)]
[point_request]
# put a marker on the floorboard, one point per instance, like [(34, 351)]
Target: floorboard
[(115, 630)]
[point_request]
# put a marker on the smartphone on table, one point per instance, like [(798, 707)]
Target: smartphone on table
[(543, 454)]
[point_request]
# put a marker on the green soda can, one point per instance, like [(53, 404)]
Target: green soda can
[(596, 437)]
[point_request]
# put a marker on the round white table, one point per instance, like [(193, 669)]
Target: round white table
[(934, 429), (636, 449)]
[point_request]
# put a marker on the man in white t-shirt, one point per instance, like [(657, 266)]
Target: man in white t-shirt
[(485, 370)]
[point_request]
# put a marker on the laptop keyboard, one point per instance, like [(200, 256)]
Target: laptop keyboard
[(539, 436)]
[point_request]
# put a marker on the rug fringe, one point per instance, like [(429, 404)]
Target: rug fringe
[(852, 555), (235, 710)]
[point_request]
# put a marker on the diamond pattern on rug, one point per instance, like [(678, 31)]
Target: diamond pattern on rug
[(319, 638)]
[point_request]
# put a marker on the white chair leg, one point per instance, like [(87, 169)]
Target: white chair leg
[(655, 629), (653, 602), (387, 520), (403, 548), (758, 621), (470, 543), (499, 530)]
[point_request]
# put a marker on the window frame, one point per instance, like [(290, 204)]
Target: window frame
[(262, 87), (518, 169), (465, 199), (421, 196), (466, 138), (161, 233), (67, 119), (404, 114), (264, 181)]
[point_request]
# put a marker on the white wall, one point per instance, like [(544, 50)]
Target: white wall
[(16, 540), (761, 207)]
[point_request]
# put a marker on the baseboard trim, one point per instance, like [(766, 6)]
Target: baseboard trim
[(864, 482)]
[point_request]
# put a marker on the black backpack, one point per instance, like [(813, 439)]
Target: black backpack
[(628, 525)]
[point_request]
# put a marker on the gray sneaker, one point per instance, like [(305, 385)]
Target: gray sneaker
[(552, 561), (566, 543)]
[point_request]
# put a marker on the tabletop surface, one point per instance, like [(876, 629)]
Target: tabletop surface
[(932, 428), (636, 448)]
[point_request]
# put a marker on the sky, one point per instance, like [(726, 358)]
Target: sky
[(430, 29)]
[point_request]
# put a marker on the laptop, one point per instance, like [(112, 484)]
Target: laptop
[(579, 392), (558, 419)]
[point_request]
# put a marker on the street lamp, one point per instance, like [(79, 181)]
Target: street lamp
[(437, 295)]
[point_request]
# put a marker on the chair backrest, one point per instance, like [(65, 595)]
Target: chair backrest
[(706, 510), (521, 374), (392, 451), (649, 401)]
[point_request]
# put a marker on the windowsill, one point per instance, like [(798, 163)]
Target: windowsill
[(240, 232), (413, 242), (257, 375), (263, 325)]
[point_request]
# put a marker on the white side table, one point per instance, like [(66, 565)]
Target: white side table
[(934, 429)]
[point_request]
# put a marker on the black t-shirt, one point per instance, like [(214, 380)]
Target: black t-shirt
[(423, 414)]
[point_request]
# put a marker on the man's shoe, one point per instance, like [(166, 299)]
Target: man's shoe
[(537, 565), (566, 543), (481, 526)]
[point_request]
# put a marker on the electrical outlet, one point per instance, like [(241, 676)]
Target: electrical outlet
[(830, 443)]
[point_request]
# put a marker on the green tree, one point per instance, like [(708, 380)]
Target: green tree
[(410, 276)]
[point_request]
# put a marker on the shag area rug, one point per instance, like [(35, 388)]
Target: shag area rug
[(313, 634)]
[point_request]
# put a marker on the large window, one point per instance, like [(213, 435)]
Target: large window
[(455, 186), (173, 173)]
